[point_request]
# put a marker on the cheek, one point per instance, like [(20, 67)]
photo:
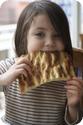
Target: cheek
[(34, 46), (60, 45)]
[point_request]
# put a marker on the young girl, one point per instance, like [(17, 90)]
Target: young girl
[(41, 26)]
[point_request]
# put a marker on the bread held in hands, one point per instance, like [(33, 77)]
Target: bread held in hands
[(46, 67)]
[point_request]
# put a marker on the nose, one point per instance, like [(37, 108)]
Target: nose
[(49, 42)]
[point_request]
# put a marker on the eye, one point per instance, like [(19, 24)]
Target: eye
[(40, 34)]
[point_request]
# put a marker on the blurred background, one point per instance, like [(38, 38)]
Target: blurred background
[(11, 9), (9, 14)]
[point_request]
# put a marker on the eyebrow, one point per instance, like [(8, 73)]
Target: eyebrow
[(41, 28)]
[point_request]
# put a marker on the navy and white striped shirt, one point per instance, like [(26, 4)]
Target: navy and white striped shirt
[(44, 105)]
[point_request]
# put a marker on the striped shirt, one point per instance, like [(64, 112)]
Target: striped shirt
[(44, 105)]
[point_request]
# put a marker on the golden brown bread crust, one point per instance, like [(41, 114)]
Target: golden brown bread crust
[(46, 67)]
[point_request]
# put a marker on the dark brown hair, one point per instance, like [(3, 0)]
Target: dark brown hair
[(56, 16)]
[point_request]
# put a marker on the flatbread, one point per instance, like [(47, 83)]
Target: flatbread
[(46, 67)]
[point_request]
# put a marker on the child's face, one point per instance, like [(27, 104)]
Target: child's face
[(42, 36)]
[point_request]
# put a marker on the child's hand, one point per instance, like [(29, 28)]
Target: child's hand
[(74, 89), (21, 66)]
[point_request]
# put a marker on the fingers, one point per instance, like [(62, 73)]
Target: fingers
[(23, 59), (25, 67), (73, 94), (22, 72), (74, 87), (75, 83), (22, 63), (79, 80)]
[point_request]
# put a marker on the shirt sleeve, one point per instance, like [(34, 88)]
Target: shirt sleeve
[(4, 66), (78, 119), (2, 70)]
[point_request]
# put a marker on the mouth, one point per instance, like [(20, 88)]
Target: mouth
[(50, 49)]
